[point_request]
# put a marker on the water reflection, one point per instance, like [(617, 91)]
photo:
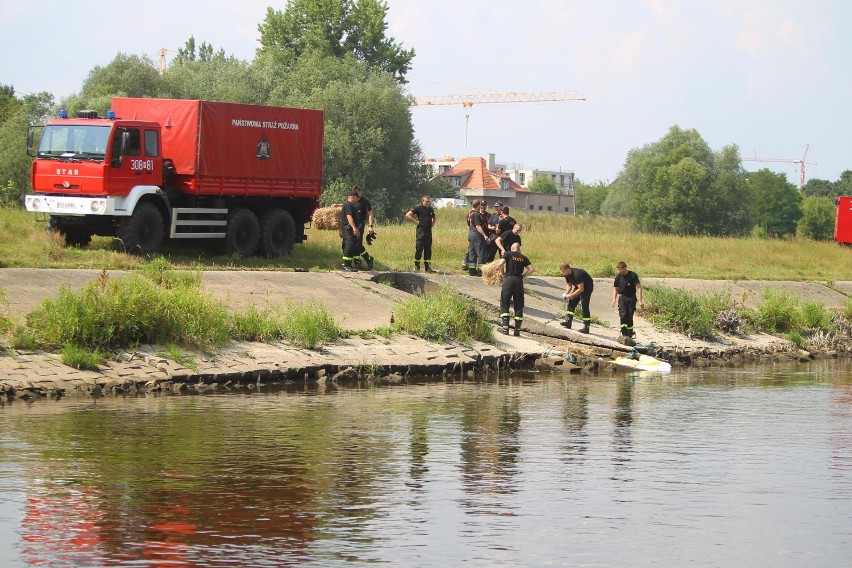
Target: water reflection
[(712, 466)]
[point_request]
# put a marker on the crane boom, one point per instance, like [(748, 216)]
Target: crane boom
[(801, 163), (498, 98)]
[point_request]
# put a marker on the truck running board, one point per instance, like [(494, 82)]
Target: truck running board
[(196, 223)]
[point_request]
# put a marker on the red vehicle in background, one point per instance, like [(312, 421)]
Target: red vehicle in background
[(843, 222), (153, 169)]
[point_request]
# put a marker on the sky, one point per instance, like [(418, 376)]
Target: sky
[(770, 76)]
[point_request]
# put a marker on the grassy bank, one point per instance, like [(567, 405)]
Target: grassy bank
[(593, 243)]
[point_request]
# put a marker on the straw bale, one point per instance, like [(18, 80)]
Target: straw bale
[(327, 218), (491, 273)]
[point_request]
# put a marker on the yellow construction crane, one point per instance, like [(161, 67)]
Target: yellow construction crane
[(469, 100), (789, 160)]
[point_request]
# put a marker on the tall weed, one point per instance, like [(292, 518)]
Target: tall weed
[(443, 316), (779, 312), (683, 311), (814, 315), (130, 310), (309, 325)]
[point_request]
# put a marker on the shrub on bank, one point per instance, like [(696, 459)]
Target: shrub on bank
[(160, 305), (779, 313), (443, 316), (808, 324), (118, 312), (5, 322), (684, 312), (310, 325)]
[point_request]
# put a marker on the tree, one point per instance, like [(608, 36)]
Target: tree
[(590, 198), (333, 28), (679, 185), (844, 183), (817, 221), (777, 203), (369, 137), (542, 183), (733, 198), (187, 53), (440, 187), (126, 75), (14, 161), (819, 187), (212, 76)]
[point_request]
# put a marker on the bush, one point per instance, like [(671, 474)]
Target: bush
[(443, 316), (779, 312), (126, 311), (814, 315), (5, 322), (81, 358), (682, 311), (310, 325), (817, 221)]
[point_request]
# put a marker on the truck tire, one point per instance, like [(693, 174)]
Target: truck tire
[(143, 232), (277, 233), (242, 234), (74, 236)]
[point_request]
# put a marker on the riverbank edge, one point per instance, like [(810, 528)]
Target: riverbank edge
[(544, 344), (250, 367)]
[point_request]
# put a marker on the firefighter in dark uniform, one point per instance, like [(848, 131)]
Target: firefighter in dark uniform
[(365, 217), (476, 237), (493, 232), (349, 230), (466, 261), (424, 217), (578, 290), (506, 239), (515, 267), (627, 291)]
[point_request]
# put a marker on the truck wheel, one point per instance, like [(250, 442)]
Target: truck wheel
[(242, 234), (74, 236), (142, 232), (277, 233)]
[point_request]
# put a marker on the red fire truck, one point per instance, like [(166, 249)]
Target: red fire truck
[(180, 169), (843, 221)]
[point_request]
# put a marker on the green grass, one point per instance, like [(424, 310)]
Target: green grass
[(679, 310), (117, 312), (593, 243), (310, 325), (443, 316), (82, 358), (178, 355)]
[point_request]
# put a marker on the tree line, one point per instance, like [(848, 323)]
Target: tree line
[(337, 56), (679, 185)]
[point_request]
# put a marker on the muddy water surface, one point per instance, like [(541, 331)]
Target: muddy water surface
[(749, 467)]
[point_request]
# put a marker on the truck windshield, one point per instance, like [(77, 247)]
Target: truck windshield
[(71, 141)]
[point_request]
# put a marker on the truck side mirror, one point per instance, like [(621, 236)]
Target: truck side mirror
[(30, 138)]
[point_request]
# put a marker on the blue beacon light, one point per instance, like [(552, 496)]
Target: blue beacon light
[(63, 113)]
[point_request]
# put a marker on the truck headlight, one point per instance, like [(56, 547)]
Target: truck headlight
[(97, 206), (35, 203)]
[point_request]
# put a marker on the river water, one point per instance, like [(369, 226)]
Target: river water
[(727, 467)]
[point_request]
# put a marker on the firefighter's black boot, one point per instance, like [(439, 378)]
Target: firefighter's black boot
[(585, 328), (504, 327), (567, 321), (517, 330)]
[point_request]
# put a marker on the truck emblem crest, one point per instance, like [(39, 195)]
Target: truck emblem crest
[(263, 148)]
